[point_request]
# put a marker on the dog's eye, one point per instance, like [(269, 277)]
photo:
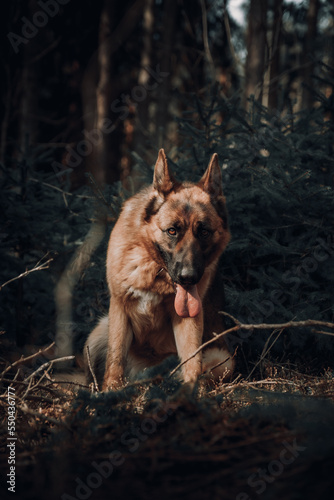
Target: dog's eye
[(171, 231), (204, 233)]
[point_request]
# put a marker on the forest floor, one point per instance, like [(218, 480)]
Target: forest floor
[(269, 437)]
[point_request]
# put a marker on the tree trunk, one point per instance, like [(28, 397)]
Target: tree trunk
[(256, 50), (273, 100), (27, 138), (29, 105), (106, 156), (168, 38), (142, 121), (312, 19)]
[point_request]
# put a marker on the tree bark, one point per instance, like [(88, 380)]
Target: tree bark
[(29, 103), (273, 100), (106, 156), (168, 38), (256, 50), (142, 121), (312, 20), (27, 138)]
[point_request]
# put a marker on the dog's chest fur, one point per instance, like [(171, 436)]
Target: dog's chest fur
[(146, 301), (148, 308), (150, 317)]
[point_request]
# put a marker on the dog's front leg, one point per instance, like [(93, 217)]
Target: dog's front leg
[(119, 340), (188, 333)]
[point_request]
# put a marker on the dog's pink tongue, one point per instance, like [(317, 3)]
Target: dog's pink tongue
[(187, 302)]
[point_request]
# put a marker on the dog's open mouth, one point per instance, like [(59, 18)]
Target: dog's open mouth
[(187, 301)]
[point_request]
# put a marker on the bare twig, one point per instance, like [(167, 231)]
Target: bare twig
[(38, 383), (216, 366), (234, 329), (43, 387), (66, 382), (322, 332), (235, 320), (261, 326), (27, 390), (26, 359), (265, 350), (96, 387), (247, 384), (279, 326), (51, 362), (37, 267)]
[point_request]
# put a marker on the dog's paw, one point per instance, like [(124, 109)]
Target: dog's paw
[(113, 383)]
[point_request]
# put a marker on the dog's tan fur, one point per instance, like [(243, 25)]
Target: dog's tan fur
[(143, 327)]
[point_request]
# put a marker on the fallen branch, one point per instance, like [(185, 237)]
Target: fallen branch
[(279, 326), (261, 326)]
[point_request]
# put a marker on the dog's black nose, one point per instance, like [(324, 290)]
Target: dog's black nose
[(188, 276)]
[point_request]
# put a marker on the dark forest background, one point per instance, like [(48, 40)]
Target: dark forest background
[(91, 90)]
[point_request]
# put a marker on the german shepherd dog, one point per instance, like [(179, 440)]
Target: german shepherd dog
[(161, 264)]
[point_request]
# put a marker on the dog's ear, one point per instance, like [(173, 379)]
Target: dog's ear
[(163, 181), (211, 181)]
